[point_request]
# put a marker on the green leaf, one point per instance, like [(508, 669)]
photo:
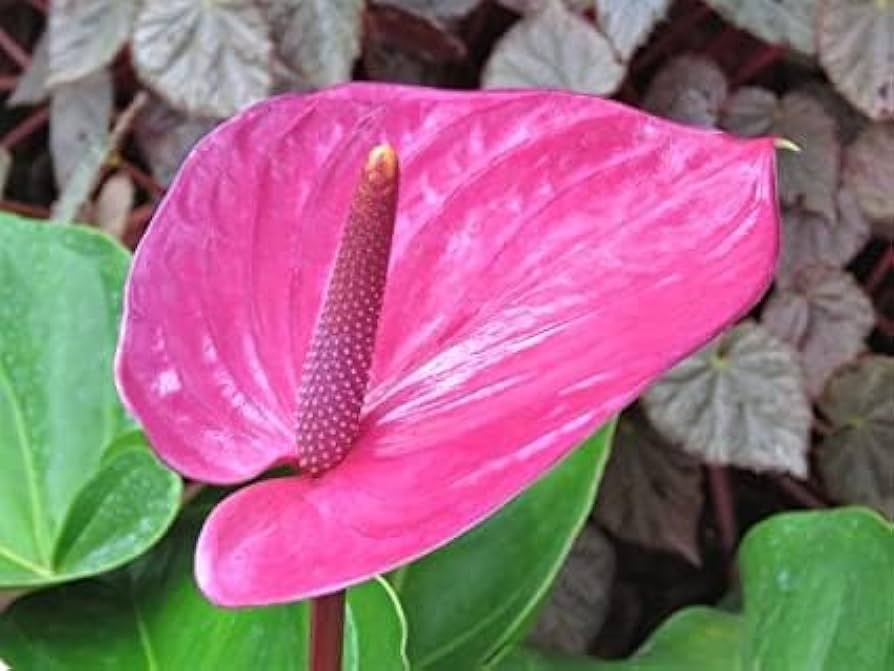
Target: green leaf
[(819, 596), (819, 592), (694, 639), (73, 501), (151, 616), (468, 601)]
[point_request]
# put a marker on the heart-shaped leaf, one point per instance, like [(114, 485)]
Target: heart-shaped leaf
[(786, 22), (317, 41), (810, 238), (153, 617), (488, 583), (855, 40), (77, 496), (869, 172), (553, 48), (85, 35), (825, 316), (689, 89), (818, 592), (808, 177), (628, 24), (580, 598), (857, 457), (208, 59), (652, 492), (739, 401)]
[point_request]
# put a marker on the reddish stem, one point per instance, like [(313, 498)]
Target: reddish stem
[(39, 5), (142, 179), (12, 49), (725, 516), (880, 269), (327, 621), (798, 492), (8, 83), (757, 64), (16, 207), (30, 124)]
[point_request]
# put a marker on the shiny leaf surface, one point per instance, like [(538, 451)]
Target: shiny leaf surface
[(74, 501)]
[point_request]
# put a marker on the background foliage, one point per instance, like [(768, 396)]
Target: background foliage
[(793, 408)]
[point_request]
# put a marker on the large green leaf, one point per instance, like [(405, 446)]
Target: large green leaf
[(819, 592), (819, 596), (79, 491), (695, 639), (151, 617), (468, 601)]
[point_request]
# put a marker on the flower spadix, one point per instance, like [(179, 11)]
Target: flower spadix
[(551, 255)]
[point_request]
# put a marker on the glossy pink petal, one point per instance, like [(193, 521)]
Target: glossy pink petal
[(553, 254)]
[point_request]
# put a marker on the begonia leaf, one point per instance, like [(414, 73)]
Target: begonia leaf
[(808, 177), (652, 492), (79, 494), (317, 41), (80, 114), (496, 351), (628, 24), (516, 554), (786, 22), (207, 59), (739, 401), (31, 88), (810, 238), (856, 458), (580, 597), (441, 9), (137, 620), (825, 316), (855, 40), (166, 136), (689, 89), (553, 48), (869, 172), (85, 35)]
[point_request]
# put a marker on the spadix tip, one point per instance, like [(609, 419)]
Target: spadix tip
[(382, 160)]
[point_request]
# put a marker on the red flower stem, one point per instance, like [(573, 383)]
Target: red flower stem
[(12, 49), (142, 179), (757, 64), (30, 124), (724, 515), (16, 207), (8, 83), (880, 269), (327, 623)]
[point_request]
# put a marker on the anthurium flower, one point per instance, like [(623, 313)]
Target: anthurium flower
[(551, 255)]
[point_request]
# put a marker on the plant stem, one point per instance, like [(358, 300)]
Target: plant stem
[(327, 621)]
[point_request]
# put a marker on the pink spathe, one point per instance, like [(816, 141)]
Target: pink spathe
[(552, 254)]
